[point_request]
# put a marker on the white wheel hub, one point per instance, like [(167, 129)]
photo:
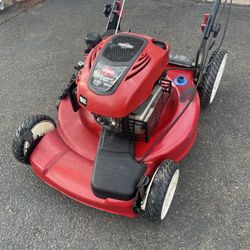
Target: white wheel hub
[(218, 78), (39, 130), (170, 194)]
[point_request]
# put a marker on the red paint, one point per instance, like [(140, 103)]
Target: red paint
[(118, 8), (64, 158), (107, 71), (125, 99), (205, 19)]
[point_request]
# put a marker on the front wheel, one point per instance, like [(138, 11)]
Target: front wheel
[(28, 134), (161, 190)]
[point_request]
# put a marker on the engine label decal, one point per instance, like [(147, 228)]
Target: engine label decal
[(83, 101), (105, 76)]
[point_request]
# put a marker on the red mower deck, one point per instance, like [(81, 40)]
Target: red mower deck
[(126, 120), (64, 158)]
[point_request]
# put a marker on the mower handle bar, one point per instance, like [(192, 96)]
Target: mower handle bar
[(211, 20)]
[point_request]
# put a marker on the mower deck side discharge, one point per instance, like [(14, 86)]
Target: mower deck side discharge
[(64, 158)]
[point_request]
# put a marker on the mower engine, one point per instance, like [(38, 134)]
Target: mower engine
[(126, 87), (141, 123)]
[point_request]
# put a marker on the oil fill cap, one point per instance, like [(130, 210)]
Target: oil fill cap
[(180, 80)]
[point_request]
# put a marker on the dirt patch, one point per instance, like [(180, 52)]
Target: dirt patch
[(28, 3)]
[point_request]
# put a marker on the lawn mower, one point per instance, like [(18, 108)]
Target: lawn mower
[(126, 119)]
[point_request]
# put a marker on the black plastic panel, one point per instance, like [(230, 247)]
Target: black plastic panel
[(116, 51), (116, 173)]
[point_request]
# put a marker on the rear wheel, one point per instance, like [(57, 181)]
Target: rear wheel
[(28, 134), (212, 78), (161, 190)]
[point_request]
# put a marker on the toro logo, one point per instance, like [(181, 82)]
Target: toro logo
[(126, 45), (107, 71)]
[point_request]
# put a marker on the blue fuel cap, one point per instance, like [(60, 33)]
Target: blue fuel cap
[(180, 80)]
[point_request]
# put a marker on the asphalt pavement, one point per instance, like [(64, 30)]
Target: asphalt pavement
[(211, 209)]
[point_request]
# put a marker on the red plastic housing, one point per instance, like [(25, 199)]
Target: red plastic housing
[(136, 86), (64, 158)]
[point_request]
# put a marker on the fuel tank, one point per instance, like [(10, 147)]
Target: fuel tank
[(120, 73)]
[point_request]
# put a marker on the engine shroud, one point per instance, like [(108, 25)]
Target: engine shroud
[(120, 74), (113, 63)]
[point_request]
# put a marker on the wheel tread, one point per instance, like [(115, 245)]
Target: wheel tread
[(206, 86), (19, 138), (158, 190)]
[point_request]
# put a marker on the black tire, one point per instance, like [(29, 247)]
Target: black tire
[(158, 190), (205, 88), (24, 134)]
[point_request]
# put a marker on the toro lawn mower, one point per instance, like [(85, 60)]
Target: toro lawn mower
[(127, 118)]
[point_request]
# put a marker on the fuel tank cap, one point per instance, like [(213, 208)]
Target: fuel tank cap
[(180, 80)]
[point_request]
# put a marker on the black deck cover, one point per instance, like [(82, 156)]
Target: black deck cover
[(116, 173)]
